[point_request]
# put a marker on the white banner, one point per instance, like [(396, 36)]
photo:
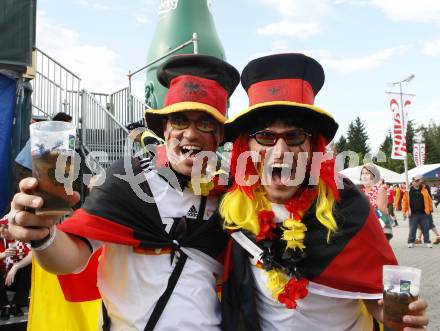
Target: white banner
[(416, 154), (406, 107), (398, 132), (422, 149), (419, 154)]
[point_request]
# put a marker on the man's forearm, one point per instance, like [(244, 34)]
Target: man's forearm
[(65, 255)]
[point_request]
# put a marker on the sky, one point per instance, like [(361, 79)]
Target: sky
[(363, 45)]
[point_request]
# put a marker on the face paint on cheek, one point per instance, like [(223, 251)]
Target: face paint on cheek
[(172, 149)]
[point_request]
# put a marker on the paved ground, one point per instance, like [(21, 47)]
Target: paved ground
[(427, 259), (15, 323)]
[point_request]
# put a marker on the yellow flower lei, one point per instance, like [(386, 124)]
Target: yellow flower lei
[(294, 235)]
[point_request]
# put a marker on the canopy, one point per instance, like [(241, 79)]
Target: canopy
[(389, 176), (428, 171)]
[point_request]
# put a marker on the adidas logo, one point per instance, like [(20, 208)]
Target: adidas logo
[(192, 212)]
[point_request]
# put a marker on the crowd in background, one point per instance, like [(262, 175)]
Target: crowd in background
[(15, 273), (417, 204)]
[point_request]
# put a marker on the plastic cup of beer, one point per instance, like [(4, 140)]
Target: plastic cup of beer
[(401, 287), (53, 141)]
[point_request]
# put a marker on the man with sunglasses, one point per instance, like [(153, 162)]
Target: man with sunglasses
[(417, 206), (306, 255), (158, 265)]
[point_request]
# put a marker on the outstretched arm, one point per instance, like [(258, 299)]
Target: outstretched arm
[(66, 253)]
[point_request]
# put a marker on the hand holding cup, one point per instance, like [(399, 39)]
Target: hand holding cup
[(24, 224)]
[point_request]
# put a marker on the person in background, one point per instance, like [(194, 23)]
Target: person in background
[(437, 197), (372, 186), (432, 226), (391, 194), (15, 273), (417, 209), (400, 190)]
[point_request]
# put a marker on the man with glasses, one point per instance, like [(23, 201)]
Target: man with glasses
[(418, 209), (158, 266), (307, 255)]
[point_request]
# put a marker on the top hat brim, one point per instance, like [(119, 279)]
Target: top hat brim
[(155, 117), (317, 119)]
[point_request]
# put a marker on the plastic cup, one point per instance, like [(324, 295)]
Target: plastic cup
[(51, 140), (401, 287)]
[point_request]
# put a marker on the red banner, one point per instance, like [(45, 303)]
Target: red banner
[(398, 132)]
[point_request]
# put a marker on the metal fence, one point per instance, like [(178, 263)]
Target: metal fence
[(55, 88), (101, 133), (101, 118), (118, 105)]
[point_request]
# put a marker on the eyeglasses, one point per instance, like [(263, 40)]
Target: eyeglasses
[(292, 138), (203, 124)]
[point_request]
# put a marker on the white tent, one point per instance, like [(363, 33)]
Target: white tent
[(389, 176)]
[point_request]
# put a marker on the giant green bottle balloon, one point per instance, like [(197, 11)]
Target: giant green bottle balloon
[(178, 20)]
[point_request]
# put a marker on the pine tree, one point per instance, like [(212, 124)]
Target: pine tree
[(431, 138), (357, 138), (410, 134), (341, 144), (339, 147)]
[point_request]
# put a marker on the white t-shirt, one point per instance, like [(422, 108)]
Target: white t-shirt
[(316, 312), (131, 283)]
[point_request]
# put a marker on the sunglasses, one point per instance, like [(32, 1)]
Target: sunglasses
[(203, 124), (292, 138)]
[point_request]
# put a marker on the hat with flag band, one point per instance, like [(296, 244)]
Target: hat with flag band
[(282, 82), (195, 83)]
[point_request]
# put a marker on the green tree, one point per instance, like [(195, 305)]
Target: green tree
[(341, 144), (410, 134), (357, 138), (431, 138)]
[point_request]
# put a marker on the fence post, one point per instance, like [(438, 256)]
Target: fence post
[(83, 118), (129, 100)]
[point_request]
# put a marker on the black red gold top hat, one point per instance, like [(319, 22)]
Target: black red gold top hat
[(283, 82), (195, 83)]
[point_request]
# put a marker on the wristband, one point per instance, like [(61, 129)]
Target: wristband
[(39, 245)]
